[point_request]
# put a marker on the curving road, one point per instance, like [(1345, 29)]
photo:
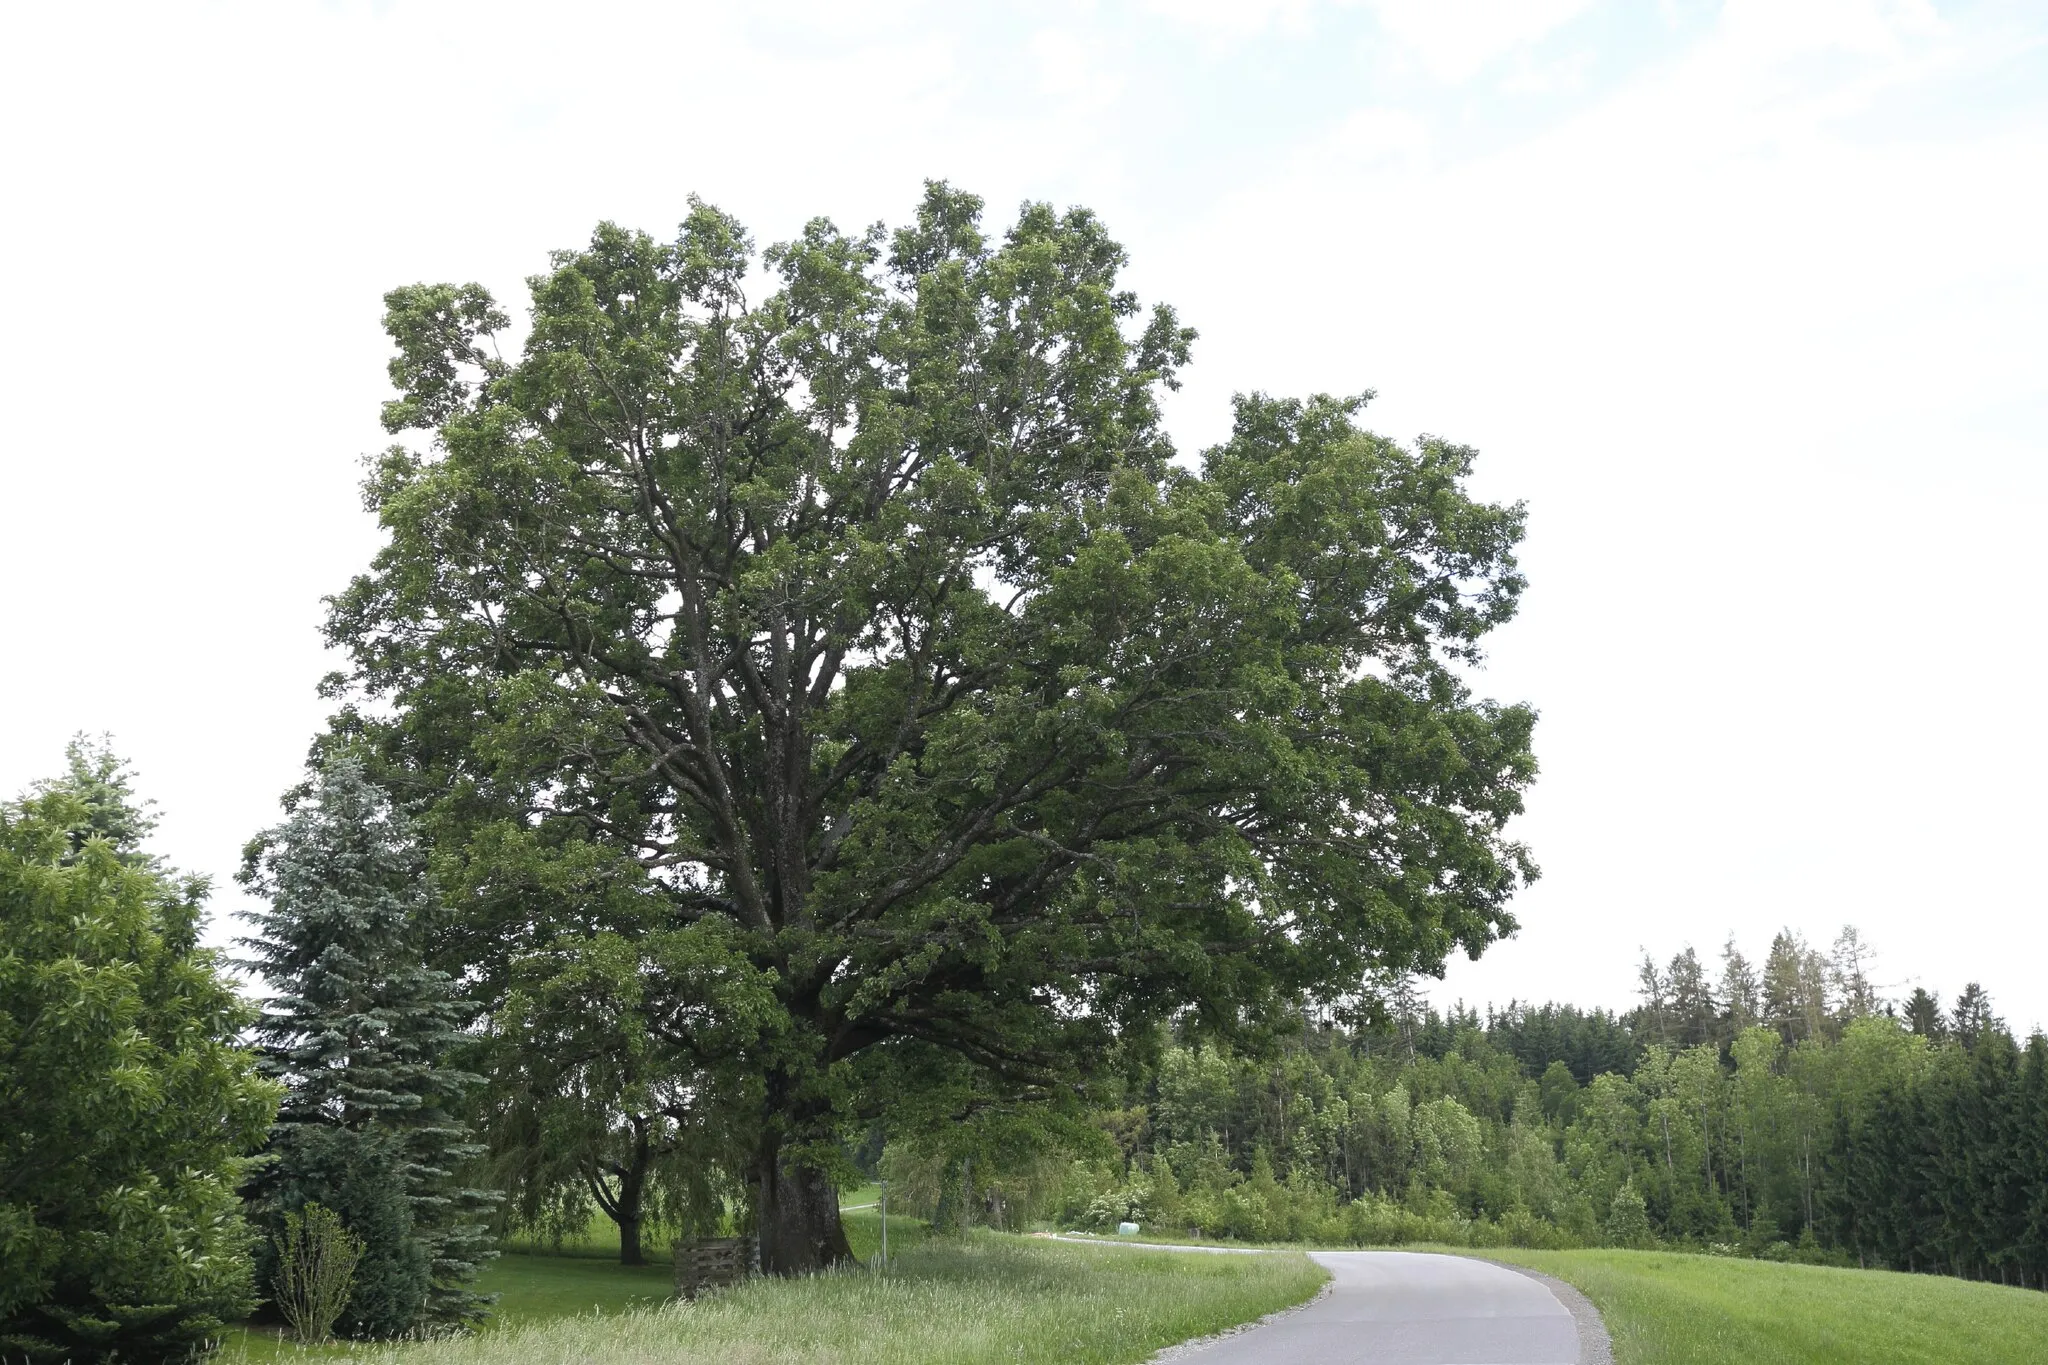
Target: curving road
[(1410, 1308)]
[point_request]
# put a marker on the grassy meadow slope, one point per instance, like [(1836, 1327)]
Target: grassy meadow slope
[(1665, 1308)]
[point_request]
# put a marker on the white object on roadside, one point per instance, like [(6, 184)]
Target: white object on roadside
[(1126, 1229)]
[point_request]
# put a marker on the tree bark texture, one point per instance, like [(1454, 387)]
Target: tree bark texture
[(797, 1216)]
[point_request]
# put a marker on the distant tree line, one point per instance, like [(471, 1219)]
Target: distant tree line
[(1788, 1112)]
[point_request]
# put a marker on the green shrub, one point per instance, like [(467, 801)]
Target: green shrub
[(316, 1265), (359, 1176), (1116, 1206), (127, 1103), (367, 1126), (1628, 1218)]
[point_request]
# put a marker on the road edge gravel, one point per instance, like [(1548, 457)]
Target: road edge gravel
[(1595, 1346)]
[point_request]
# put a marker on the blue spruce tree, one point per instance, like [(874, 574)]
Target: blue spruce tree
[(364, 1037)]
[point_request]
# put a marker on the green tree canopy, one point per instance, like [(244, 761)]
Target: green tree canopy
[(878, 621), (128, 1105)]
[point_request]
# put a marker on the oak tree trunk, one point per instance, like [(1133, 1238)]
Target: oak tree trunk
[(798, 1216)]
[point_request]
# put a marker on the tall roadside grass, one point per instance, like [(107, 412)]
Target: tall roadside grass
[(986, 1297), (1667, 1308), (537, 1280)]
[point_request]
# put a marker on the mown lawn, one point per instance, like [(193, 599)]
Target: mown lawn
[(1666, 1308)]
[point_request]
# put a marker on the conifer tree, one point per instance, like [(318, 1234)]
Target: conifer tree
[(1654, 988), (1816, 1008), (1786, 993), (1973, 1017), (1924, 1015), (1739, 990), (2001, 1180), (103, 785), (1850, 971), (2031, 1163), (363, 1037), (1693, 1008)]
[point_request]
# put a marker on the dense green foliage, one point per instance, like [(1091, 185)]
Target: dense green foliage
[(362, 1036), (1942, 1163), (128, 1104), (1666, 1309), (867, 652)]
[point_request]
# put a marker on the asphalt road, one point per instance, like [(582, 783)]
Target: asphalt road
[(1409, 1308)]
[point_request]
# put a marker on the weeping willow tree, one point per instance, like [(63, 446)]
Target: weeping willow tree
[(617, 1089)]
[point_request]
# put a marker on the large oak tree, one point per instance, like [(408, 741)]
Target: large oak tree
[(873, 631)]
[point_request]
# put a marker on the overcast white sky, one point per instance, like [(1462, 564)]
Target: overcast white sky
[(1745, 299)]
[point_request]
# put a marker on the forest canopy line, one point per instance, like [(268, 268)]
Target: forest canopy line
[(1791, 1114), (844, 708)]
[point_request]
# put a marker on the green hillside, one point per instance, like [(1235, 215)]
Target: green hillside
[(1663, 1308)]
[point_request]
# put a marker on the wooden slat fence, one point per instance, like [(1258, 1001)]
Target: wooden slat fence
[(714, 1262)]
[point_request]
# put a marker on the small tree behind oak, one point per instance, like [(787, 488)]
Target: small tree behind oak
[(316, 1266)]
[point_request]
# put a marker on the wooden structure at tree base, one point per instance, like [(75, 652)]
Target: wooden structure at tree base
[(713, 1262)]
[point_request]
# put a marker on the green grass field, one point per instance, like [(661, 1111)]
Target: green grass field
[(986, 1297), (990, 1297), (530, 1288), (859, 1196), (1665, 1308), (539, 1282)]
